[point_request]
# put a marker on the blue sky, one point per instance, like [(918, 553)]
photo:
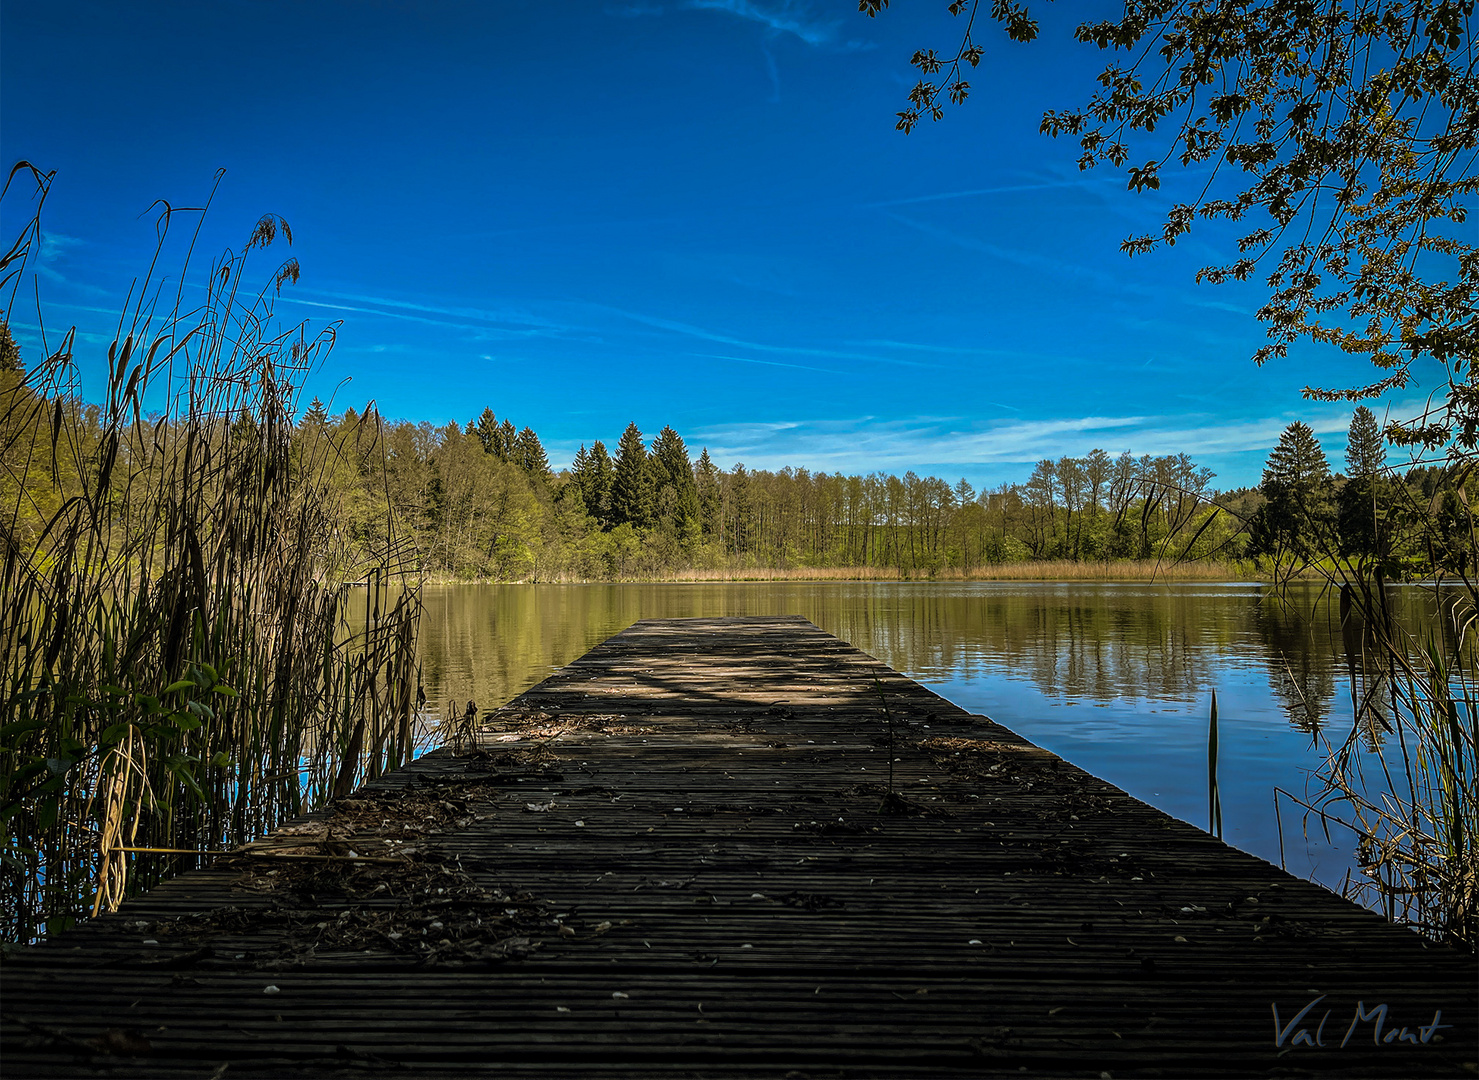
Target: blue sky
[(693, 213)]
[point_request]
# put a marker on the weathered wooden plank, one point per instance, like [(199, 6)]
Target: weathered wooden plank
[(680, 855)]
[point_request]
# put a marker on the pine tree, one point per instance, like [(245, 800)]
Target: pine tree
[(1297, 463), (597, 484), (1362, 503), (508, 440), (631, 482), (10, 353), (487, 431), (1295, 524), (737, 528), (1366, 451), (580, 466), (706, 479), (530, 456), (674, 490), (317, 417)]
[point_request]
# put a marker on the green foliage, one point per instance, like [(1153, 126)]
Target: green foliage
[(1295, 523), (10, 353), (1366, 450), (488, 433), (675, 491), (706, 484), (1361, 508), (1297, 462), (632, 494), (590, 476), (530, 456), (474, 516)]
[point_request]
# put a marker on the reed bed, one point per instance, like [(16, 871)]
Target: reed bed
[(1040, 570), (179, 669), (1044, 570), (1403, 779)]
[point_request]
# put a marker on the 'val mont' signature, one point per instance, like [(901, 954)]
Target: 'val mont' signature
[(1304, 1030)]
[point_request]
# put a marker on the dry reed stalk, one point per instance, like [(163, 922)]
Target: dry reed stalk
[(122, 769), (1404, 779), (175, 647)]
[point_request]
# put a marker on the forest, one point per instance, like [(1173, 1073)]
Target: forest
[(480, 501)]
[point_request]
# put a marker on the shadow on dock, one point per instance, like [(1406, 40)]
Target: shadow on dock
[(688, 853)]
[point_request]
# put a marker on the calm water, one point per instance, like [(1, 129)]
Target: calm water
[(1115, 678)]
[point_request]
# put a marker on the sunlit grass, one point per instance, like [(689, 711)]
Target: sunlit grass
[(1045, 570)]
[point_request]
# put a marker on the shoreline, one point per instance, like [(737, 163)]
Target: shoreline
[(1119, 571)]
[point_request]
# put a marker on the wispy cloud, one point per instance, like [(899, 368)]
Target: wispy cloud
[(774, 73), (944, 350), (632, 11), (55, 252), (1030, 259), (794, 19), (867, 443), (503, 323), (55, 245), (29, 336), (578, 320), (767, 363), (1065, 268), (688, 329), (1002, 189), (516, 316)]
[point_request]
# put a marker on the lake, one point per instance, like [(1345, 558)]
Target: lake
[(1116, 678)]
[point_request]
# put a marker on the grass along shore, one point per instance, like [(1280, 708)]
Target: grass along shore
[(1044, 570)]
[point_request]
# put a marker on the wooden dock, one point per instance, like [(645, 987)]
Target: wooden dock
[(682, 855)]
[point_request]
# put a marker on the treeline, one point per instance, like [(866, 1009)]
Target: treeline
[(482, 502), (1303, 515)]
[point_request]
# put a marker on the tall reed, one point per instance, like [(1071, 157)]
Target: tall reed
[(1404, 778), (179, 669)]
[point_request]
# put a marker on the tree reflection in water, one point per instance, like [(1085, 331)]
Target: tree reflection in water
[(1140, 660)]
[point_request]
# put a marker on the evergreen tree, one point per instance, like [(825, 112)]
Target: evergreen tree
[(316, 418), (508, 439), (580, 466), (1360, 515), (674, 490), (737, 529), (487, 432), (10, 353), (631, 481), (596, 487), (1366, 451), (1361, 505), (1293, 526), (710, 507), (1297, 463), (530, 456)]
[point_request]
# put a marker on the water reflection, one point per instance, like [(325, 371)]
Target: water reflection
[(1084, 641), (1116, 678), (1302, 655)]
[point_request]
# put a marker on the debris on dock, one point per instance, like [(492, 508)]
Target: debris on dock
[(738, 847)]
